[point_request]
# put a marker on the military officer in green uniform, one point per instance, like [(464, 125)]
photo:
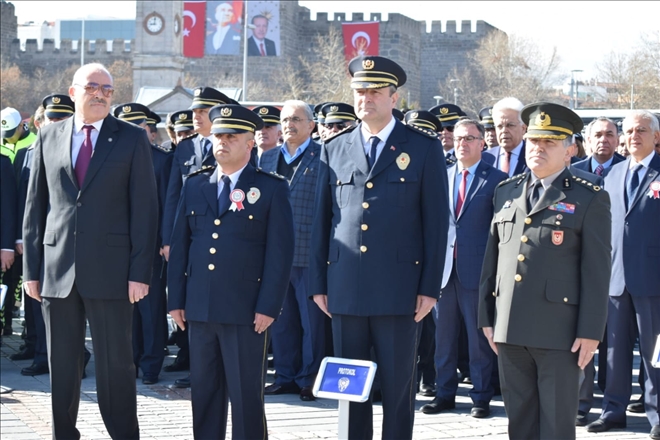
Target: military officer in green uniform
[(545, 279)]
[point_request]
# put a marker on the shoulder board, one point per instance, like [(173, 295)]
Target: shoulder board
[(161, 148), (202, 170), (425, 131), (272, 174), (517, 178), (187, 139), (583, 182), (336, 135)]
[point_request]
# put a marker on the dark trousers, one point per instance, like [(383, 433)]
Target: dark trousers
[(455, 302), (227, 363), (150, 325), (110, 322), (540, 391), (298, 335), (13, 280), (36, 329), (426, 352), (394, 340), (627, 315)]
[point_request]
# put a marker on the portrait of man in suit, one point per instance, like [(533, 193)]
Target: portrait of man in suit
[(226, 40), (88, 237), (258, 44)]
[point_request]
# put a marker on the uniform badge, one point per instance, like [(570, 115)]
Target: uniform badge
[(507, 204), (56, 100), (253, 195), (654, 192), (403, 161), (567, 208), (237, 196), (557, 237)]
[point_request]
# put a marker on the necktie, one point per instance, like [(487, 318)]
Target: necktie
[(506, 160), (372, 153), (599, 170), (461, 192), (223, 200), (632, 186), (261, 49), (84, 156), (533, 195), (206, 144)]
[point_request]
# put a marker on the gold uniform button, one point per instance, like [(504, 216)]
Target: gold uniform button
[(216, 222), (528, 221), (558, 223), (363, 249), (211, 266), (328, 263), (521, 257), (258, 280), (565, 300), (339, 182), (524, 239), (250, 216), (370, 185), (494, 294), (517, 277), (364, 227), (212, 250), (403, 179), (215, 235), (416, 262), (365, 205), (192, 212)]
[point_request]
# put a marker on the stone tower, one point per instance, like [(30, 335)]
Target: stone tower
[(158, 51)]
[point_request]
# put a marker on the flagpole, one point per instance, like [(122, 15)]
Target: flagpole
[(245, 28)]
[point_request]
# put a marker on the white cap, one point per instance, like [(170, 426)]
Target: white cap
[(11, 119)]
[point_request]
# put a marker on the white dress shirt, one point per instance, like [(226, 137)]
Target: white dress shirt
[(79, 137), (233, 177), (382, 135)]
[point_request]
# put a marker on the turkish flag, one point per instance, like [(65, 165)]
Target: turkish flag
[(360, 39), (194, 26)]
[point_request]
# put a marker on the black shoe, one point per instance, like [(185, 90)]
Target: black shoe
[(480, 410), (149, 379), (275, 388), (36, 369), (655, 432), (306, 394), (23, 355), (177, 365), (182, 383), (438, 405), (427, 390), (581, 419), (636, 407), (465, 378), (602, 425)]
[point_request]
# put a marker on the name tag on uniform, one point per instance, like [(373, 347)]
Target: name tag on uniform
[(568, 208)]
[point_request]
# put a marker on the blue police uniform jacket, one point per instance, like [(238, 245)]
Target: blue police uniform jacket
[(225, 267)]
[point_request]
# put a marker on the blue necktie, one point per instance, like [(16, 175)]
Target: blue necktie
[(205, 147), (374, 149), (632, 187), (223, 201)]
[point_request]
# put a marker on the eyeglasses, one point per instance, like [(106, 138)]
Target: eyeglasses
[(466, 138), (295, 120), (449, 128), (91, 88), (338, 125)]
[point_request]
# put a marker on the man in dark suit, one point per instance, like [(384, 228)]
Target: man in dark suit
[(602, 138), (634, 302), (226, 40), (472, 184), (232, 251), (510, 129), (543, 289), (258, 44), (8, 219), (89, 237), (378, 239), (299, 333)]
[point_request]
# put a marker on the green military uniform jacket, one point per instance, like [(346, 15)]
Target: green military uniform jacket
[(546, 273)]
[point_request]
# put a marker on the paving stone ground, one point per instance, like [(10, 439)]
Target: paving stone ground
[(165, 413)]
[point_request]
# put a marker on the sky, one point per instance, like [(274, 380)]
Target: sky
[(584, 32)]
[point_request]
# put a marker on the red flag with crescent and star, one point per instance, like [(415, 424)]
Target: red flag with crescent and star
[(360, 39), (194, 27)]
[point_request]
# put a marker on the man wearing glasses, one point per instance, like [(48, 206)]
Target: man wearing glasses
[(88, 244), (337, 117)]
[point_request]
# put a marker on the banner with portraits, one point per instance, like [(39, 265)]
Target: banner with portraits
[(264, 32), (224, 27)]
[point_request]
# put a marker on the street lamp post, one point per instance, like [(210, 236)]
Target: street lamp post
[(574, 89), (246, 26), (455, 90), (437, 99)]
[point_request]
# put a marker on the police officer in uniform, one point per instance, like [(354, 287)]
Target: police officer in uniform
[(269, 136), (378, 241), (545, 278), (448, 115), (232, 252), (486, 118)]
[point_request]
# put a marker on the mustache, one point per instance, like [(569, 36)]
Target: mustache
[(99, 101)]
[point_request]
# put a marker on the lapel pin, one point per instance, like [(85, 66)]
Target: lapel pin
[(109, 139), (393, 148)]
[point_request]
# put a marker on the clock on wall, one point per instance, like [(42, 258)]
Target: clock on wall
[(154, 23), (177, 25)]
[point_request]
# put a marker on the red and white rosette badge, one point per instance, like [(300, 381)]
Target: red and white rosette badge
[(237, 197), (655, 190)]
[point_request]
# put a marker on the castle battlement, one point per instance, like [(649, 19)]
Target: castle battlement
[(99, 48)]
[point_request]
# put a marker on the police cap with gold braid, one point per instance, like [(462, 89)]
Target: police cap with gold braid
[(232, 118), (58, 106), (270, 114), (424, 119), (546, 120), (206, 97), (182, 120), (153, 118), (317, 111), (374, 72), (338, 113), (397, 114), (132, 112), (448, 114), (486, 117)]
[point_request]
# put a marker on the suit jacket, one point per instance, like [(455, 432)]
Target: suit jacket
[(25, 157), (162, 160), (469, 230), (546, 272), (226, 266), (302, 191), (253, 49), (585, 164), (521, 166), (7, 204), (379, 236), (635, 232), (231, 45), (99, 236), (187, 158)]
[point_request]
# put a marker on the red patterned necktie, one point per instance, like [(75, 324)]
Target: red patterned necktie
[(459, 201), (261, 49), (599, 170), (84, 156), (506, 160)]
